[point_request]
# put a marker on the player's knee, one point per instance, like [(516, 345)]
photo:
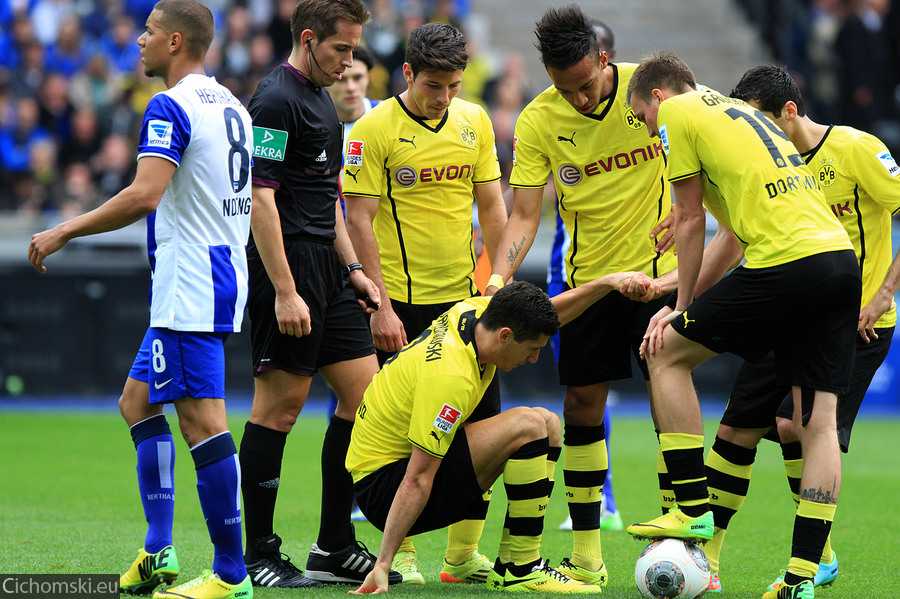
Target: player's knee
[(529, 424), (552, 425), (787, 433)]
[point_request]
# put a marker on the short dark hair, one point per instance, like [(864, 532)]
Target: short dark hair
[(192, 19), (565, 36), (770, 86), (364, 56), (663, 70), (524, 308), (322, 17), (436, 47), (605, 36)]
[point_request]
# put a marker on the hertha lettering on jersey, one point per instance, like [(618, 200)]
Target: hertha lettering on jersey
[(198, 233)]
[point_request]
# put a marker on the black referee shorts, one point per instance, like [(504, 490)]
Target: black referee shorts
[(339, 329)]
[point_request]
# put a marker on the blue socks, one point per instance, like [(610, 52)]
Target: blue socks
[(155, 467), (219, 487)]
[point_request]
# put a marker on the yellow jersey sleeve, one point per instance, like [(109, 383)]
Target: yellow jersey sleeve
[(441, 403), (487, 169), (365, 154), (755, 182)]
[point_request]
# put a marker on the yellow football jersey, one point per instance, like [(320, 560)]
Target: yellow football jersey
[(859, 178), (423, 394), (756, 183), (423, 173), (610, 179)]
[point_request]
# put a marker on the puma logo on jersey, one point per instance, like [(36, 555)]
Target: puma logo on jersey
[(412, 141), (434, 434), (571, 140), (347, 172), (687, 320)]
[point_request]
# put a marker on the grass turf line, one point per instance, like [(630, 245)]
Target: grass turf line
[(69, 504)]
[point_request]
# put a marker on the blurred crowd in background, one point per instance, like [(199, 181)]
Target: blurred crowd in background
[(72, 88)]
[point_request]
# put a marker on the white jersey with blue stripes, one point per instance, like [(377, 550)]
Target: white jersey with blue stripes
[(197, 237)]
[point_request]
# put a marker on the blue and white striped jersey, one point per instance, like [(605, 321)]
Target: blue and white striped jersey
[(197, 236)]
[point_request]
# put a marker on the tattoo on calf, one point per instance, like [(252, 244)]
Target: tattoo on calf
[(819, 495)]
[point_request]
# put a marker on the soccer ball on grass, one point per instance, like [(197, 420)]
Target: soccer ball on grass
[(672, 569)]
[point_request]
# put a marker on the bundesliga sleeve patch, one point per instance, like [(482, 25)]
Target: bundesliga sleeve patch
[(887, 161), (159, 134), (269, 143), (515, 143), (354, 152), (447, 419)]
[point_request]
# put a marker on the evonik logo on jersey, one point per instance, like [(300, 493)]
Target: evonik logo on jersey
[(570, 174), (406, 176), (447, 418), (159, 133)]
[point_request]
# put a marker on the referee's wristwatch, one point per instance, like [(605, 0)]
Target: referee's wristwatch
[(346, 270)]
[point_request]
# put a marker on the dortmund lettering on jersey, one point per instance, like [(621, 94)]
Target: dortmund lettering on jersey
[(269, 143), (423, 173), (423, 394), (858, 176), (609, 176), (765, 193)]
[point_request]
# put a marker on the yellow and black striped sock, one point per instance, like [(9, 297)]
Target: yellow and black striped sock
[(728, 469), (525, 480), (811, 528), (666, 494), (792, 453), (463, 536), (585, 464), (683, 454)]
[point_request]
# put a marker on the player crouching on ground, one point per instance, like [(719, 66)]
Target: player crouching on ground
[(417, 464)]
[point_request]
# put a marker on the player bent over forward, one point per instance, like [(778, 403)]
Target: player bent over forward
[(417, 465)]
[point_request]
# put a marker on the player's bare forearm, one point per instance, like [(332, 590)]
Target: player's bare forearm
[(519, 232), (881, 302), (491, 214), (128, 206), (690, 232), (267, 236), (572, 303), (360, 214)]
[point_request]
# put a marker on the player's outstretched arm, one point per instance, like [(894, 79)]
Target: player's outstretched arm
[(881, 302), (491, 214), (387, 330), (410, 500), (129, 205), (570, 304), (291, 311), (362, 285), (518, 234)]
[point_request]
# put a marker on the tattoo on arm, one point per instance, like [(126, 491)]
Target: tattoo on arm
[(513, 254)]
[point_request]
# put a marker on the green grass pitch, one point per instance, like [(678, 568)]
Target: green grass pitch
[(69, 504)]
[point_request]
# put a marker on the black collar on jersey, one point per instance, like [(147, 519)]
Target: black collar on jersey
[(420, 119), (809, 155), (300, 76), (609, 99)]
